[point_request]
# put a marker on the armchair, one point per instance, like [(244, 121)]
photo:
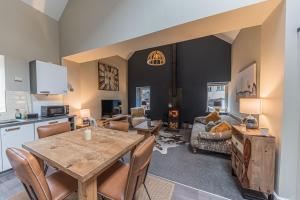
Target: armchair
[(137, 116)]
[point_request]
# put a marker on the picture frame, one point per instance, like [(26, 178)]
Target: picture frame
[(108, 77), (246, 85)]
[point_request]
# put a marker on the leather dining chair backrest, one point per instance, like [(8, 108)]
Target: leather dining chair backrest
[(53, 129), (30, 172), (119, 125), (139, 166)]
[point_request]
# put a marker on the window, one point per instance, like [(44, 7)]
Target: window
[(2, 84), (143, 97), (217, 96)]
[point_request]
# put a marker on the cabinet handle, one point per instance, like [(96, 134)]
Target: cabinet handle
[(55, 122), (45, 92), (12, 129)]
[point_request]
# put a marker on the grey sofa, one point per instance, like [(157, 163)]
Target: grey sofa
[(215, 142)]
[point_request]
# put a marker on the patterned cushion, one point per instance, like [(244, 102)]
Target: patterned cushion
[(200, 120), (209, 126), (215, 136), (137, 112), (222, 127), (214, 116)]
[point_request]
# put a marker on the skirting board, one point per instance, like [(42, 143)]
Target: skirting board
[(278, 197)]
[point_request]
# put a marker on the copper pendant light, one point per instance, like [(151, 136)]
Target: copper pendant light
[(156, 58)]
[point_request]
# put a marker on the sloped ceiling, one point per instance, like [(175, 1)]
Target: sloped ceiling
[(52, 8), (226, 25), (228, 36)]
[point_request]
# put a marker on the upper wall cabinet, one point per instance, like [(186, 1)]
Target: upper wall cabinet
[(47, 78)]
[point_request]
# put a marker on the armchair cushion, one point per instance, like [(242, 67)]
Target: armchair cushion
[(137, 112)]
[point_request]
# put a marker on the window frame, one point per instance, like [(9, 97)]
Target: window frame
[(219, 86), (137, 90)]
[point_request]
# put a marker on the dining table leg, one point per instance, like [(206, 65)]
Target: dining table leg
[(88, 190)]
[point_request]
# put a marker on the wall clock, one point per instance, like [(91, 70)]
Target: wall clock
[(108, 77)]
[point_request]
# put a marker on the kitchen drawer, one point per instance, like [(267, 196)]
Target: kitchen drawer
[(49, 122), (14, 136)]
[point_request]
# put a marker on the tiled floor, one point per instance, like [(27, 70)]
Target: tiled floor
[(9, 185)]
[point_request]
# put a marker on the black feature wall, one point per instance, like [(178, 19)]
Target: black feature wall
[(199, 61)]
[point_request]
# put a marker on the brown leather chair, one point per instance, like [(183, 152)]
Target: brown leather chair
[(121, 181), (119, 125), (38, 187), (53, 129)]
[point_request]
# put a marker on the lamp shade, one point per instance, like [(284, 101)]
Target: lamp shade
[(250, 106), (156, 58), (85, 113)]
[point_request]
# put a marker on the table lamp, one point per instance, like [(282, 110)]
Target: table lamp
[(250, 106), (85, 115)]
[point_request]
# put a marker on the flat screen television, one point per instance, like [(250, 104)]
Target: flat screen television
[(110, 108)]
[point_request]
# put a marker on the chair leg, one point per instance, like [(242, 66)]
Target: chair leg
[(33, 193), (27, 191), (147, 191), (46, 168)]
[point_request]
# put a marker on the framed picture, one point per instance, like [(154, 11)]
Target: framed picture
[(246, 86), (108, 77)]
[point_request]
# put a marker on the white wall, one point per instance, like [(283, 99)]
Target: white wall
[(26, 34), (73, 97), (272, 83), (244, 51), (265, 44), (84, 79), (90, 24), (291, 113)]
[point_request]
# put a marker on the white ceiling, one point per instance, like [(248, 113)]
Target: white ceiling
[(52, 8)]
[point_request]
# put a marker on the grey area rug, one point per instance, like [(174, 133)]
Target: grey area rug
[(208, 172)]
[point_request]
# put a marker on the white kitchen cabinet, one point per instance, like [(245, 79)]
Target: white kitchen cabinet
[(0, 153), (44, 123), (47, 78), (14, 136)]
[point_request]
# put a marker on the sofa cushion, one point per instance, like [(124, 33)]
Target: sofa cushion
[(200, 120), (211, 124), (220, 128), (214, 116), (215, 136)]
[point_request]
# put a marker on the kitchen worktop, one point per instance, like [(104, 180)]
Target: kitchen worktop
[(31, 121)]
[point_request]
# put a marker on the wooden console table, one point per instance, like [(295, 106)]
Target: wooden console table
[(253, 161)]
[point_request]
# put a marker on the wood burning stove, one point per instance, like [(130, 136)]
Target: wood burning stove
[(173, 123)]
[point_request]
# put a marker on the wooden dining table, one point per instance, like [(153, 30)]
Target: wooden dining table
[(84, 160)]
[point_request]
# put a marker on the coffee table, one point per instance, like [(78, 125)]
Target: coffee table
[(146, 130)]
